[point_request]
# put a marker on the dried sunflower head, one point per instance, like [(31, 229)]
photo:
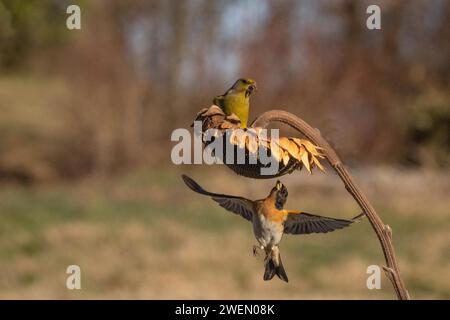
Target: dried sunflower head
[(290, 153)]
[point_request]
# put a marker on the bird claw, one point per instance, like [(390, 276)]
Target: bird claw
[(257, 251)]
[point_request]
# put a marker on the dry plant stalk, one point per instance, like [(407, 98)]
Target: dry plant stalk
[(383, 232)]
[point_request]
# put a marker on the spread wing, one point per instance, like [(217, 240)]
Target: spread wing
[(237, 205), (305, 223)]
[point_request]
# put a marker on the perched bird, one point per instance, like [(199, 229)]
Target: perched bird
[(270, 221), (237, 99)]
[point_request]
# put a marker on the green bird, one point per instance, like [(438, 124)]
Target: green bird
[(237, 99)]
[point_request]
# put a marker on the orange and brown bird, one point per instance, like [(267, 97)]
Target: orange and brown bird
[(270, 221)]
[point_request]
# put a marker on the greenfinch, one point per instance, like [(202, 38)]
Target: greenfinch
[(237, 99)]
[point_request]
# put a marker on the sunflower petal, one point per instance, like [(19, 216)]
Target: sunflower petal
[(305, 161), (318, 164), (275, 150), (286, 158)]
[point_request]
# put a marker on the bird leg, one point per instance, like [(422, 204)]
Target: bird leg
[(257, 250)]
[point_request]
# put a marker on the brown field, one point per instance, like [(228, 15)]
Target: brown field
[(145, 235)]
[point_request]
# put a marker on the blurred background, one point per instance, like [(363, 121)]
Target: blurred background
[(85, 123)]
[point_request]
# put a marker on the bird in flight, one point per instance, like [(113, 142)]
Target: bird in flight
[(237, 99), (270, 221)]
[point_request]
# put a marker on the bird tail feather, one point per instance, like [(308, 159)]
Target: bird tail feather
[(274, 266)]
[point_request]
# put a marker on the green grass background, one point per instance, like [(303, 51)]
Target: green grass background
[(144, 234)]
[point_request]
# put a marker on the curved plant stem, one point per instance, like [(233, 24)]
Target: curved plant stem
[(383, 232)]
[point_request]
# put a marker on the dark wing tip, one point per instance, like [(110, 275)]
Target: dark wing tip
[(359, 217), (336, 224), (191, 184), (186, 179)]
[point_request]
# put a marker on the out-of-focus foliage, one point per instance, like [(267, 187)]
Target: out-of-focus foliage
[(139, 69), (429, 130), (104, 99), (27, 27)]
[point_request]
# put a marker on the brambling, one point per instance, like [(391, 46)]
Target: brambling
[(270, 221)]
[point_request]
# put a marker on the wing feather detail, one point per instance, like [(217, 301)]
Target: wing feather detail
[(306, 223), (237, 205)]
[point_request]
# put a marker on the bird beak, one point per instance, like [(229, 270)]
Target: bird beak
[(252, 88), (278, 185)]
